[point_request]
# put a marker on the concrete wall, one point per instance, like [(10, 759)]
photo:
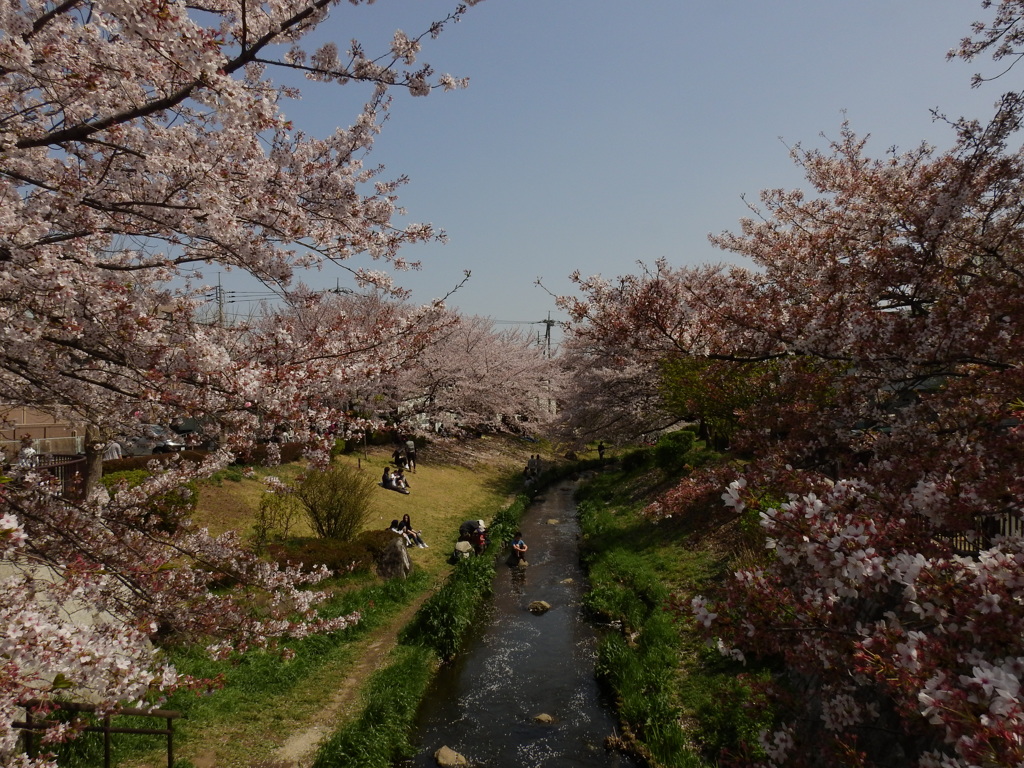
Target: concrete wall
[(50, 435)]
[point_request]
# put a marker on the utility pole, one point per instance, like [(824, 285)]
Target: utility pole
[(547, 335), (220, 303)]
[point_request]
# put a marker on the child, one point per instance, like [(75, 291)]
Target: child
[(519, 548)]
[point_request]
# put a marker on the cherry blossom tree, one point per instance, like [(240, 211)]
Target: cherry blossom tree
[(475, 376), (883, 454), (620, 333), (893, 518), (141, 144)]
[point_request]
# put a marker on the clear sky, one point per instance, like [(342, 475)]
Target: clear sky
[(598, 133)]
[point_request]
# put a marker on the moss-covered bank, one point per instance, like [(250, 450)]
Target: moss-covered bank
[(679, 703)]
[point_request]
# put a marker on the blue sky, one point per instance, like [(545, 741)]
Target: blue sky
[(597, 133)]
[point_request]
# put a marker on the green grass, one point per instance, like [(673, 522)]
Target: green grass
[(260, 690), (381, 732), (681, 704), (263, 695)]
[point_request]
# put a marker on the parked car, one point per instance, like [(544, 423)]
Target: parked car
[(154, 439), (195, 433)]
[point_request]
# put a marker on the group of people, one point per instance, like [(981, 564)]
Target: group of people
[(472, 531), (404, 457), (475, 532), (410, 535), (533, 468), (395, 481)]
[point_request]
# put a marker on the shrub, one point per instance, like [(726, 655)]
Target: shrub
[(336, 501), (380, 437), (360, 554), (274, 519), (257, 454), (671, 449), (131, 477), (128, 463), (636, 460)]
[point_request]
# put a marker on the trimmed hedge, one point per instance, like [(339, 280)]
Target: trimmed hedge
[(256, 455), (129, 463), (360, 554)]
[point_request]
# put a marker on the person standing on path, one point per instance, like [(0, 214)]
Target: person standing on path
[(410, 454)]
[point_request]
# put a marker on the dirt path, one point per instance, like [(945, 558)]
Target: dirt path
[(298, 751), (331, 696)]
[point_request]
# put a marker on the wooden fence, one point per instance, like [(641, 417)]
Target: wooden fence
[(31, 724)]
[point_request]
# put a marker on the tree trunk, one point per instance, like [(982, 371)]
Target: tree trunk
[(94, 447)]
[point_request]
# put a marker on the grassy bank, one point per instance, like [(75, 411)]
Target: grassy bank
[(381, 733), (680, 704), (264, 699)]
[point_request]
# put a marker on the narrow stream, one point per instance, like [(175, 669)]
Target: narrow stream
[(518, 665)]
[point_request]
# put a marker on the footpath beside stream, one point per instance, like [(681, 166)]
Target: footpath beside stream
[(516, 665)]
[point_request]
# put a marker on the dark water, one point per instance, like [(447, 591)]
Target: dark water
[(518, 665)]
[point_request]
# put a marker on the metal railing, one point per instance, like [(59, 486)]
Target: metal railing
[(31, 724), (66, 445), (986, 527), (69, 471)]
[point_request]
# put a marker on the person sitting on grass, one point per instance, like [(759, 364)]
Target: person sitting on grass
[(396, 527), (398, 478), (415, 536), (388, 480)]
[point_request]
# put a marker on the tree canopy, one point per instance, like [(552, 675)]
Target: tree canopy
[(881, 452), (143, 145)]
